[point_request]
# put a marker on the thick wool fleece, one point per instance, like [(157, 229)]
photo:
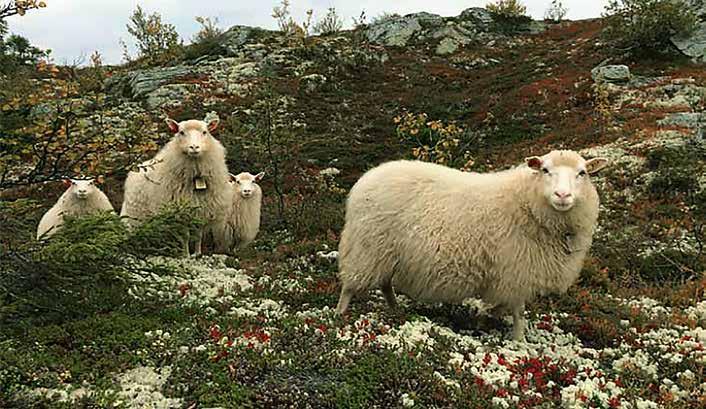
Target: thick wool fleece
[(439, 234), (242, 221), (171, 176), (70, 205)]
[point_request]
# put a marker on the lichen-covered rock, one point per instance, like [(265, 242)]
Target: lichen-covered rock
[(447, 46), (170, 95), (452, 37), (236, 39), (611, 73), (397, 31), (684, 119), (694, 45), (138, 84), (479, 16)]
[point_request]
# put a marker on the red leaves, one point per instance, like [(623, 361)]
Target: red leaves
[(568, 376), (256, 334), (215, 333)]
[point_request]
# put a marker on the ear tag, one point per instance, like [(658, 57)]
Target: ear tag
[(200, 183)]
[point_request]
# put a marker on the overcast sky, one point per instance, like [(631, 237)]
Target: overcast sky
[(75, 28)]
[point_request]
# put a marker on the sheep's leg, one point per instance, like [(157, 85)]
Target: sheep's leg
[(389, 294), (185, 244), (347, 294), (197, 246), (518, 322)]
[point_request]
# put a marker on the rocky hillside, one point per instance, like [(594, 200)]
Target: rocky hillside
[(315, 113)]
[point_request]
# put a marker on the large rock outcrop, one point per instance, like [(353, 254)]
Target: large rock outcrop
[(694, 46)]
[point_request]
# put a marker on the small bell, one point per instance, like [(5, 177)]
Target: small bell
[(200, 183)]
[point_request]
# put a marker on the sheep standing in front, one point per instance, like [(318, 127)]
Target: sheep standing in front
[(242, 220), (439, 234), (81, 198), (191, 168)]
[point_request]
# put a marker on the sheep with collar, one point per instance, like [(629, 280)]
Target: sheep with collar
[(191, 167), (441, 235)]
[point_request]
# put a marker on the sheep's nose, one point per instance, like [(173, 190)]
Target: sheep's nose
[(194, 148), (562, 195)]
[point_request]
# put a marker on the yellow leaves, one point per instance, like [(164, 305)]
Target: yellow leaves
[(24, 5), (434, 141)]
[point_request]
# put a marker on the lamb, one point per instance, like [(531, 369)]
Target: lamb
[(191, 167), (81, 198), (439, 234), (242, 221)]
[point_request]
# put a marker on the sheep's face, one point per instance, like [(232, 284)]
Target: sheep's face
[(564, 175), (245, 184), (193, 137), (82, 189)]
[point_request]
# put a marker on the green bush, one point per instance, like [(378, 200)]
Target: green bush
[(156, 42), (647, 24), (675, 170), (166, 233), (507, 8), (86, 266), (330, 24), (509, 16)]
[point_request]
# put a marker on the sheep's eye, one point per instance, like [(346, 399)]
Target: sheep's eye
[(204, 132), (181, 133), (545, 170), (582, 173)]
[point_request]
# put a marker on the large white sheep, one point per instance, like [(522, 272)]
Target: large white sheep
[(82, 197), (242, 219), (439, 234), (191, 167)]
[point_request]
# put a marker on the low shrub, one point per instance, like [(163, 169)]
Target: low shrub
[(86, 266), (647, 24)]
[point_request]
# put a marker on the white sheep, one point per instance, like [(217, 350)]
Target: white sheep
[(81, 198), (242, 220), (439, 234), (191, 167)]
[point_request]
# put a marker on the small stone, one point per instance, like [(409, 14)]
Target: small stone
[(611, 73), (447, 46)]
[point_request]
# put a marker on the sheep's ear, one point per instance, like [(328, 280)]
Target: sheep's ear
[(213, 124), (259, 176), (595, 164), (232, 177), (534, 162), (67, 182), (172, 124)]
